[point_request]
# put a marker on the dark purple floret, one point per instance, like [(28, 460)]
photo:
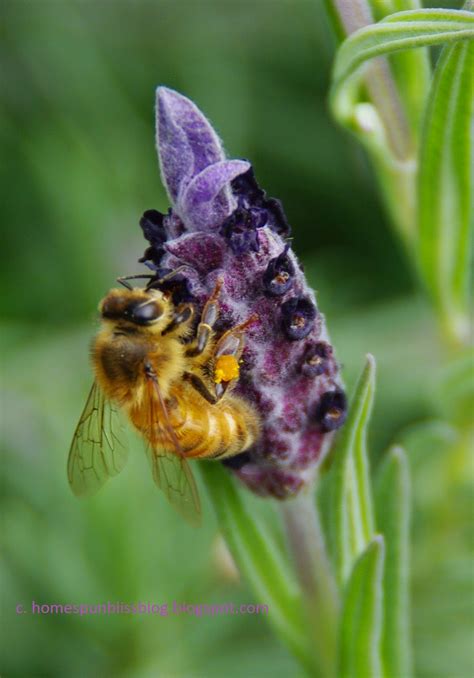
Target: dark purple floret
[(240, 229), (278, 278), (152, 258), (316, 359), (298, 316), (153, 228), (277, 218), (248, 192), (152, 224), (332, 410), (178, 286)]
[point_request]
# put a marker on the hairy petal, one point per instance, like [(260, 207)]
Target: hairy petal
[(204, 251), (186, 141), (203, 204)]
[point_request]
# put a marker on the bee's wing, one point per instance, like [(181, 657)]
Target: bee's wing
[(97, 449), (170, 470)]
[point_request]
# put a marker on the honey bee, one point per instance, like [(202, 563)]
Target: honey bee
[(174, 385)]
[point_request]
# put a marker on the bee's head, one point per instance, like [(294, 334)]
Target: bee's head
[(137, 308)]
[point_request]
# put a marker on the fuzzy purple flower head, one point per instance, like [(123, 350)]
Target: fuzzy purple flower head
[(223, 226)]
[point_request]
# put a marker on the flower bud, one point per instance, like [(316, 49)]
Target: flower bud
[(331, 411), (317, 359), (278, 278), (240, 229), (298, 316)]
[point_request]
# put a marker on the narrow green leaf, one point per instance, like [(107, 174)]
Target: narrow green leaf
[(352, 509), (393, 504), (411, 68), (379, 123), (403, 30), (259, 560), (362, 616), (382, 8), (445, 187)]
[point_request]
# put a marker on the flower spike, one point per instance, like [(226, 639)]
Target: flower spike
[(223, 227)]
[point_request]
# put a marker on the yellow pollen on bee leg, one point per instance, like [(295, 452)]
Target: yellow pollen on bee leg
[(226, 369)]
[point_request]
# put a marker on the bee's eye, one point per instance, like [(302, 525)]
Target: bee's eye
[(145, 313), (112, 308)]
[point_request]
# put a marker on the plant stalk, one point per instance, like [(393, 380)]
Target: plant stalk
[(321, 598), (348, 16)]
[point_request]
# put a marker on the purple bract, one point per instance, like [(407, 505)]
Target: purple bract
[(222, 225)]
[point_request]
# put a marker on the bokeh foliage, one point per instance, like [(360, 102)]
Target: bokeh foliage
[(79, 168)]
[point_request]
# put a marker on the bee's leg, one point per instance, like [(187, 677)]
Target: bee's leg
[(196, 381), (181, 321), (227, 355), (204, 334)]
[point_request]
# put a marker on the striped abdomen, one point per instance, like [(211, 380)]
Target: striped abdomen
[(212, 431)]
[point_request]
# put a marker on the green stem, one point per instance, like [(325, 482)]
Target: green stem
[(353, 15), (260, 561), (321, 599), (348, 17), (398, 185)]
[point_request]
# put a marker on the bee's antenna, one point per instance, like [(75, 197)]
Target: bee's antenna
[(123, 279), (166, 277), (150, 277)]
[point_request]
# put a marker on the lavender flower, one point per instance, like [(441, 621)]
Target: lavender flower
[(222, 225)]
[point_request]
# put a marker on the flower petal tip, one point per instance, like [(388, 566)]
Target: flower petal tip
[(207, 200), (186, 142)]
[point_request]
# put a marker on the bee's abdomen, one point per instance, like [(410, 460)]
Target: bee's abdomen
[(216, 431)]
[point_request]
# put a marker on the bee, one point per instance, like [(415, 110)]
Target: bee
[(174, 385)]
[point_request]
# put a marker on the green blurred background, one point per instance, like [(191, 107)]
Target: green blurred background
[(79, 169)]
